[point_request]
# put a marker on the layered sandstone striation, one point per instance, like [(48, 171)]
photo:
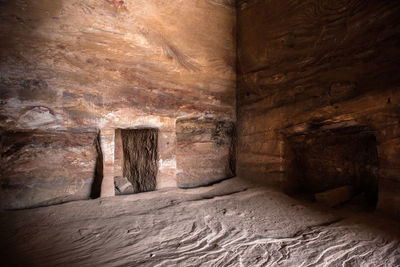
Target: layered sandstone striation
[(317, 94), (97, 66), (205, 151), (314, 68), (41, 167)]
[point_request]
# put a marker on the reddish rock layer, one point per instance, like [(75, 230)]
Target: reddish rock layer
[(101, 65)]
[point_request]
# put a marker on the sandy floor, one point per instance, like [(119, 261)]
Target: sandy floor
[(229, 224)]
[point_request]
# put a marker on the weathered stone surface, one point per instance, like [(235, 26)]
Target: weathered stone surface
[(335, 196), (102, 65), (140, 150), (317, 64), (205, 151), (324, 159), (45, 167), (122, 186), (136, 160), (232, 223), (389, 197), (107, 144), (90, 62)]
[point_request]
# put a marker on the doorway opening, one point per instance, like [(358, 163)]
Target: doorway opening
[(320, 161), (135, 160)]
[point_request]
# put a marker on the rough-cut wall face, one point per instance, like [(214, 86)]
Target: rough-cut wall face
[(140, 154), (46, 167), (97, 63), (334, 64), (205, 151), (90, 65), (321, 160)]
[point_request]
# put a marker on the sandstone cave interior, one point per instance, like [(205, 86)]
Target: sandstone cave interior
[(200, 133)]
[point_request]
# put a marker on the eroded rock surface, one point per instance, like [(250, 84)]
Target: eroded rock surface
[(205, 151), (229, 224), (140, 149), (91, 62), (318, 64), (46, 167), (101, 65), (122, 186)]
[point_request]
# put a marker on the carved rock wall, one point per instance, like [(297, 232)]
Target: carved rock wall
[(321, 160), (205, 152), (92, 63), (43, 167), (140, 158), (99, 65), (318, 64)]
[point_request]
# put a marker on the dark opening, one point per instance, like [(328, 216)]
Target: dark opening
[(324, 160), (98, 171), (139, 160)]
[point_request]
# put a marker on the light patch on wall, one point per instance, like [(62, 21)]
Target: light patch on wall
[(169, 163), (138, 39), (37, 116)]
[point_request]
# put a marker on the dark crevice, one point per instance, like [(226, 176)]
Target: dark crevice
[(98, 172), (321, 160), (183, 186)]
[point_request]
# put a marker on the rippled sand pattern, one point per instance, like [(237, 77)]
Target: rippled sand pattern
[(229, 224)]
